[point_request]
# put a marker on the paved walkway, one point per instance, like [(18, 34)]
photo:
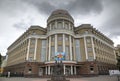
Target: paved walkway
[(99, 78)]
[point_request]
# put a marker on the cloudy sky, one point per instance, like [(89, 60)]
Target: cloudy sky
[(16, 16)]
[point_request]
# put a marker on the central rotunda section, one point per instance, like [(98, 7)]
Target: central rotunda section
[(60, 32)]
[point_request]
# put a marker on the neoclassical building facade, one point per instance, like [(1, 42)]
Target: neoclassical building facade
[(87, 51)]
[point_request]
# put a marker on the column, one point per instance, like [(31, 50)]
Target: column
[(28, 48), (74, 51), (35, 48), (93, 48), (70, 47), (85, 48), (75, 70), (48, 70), (63, 42), (47, 50), (64, 69), (71, 70), (49, 47), (55, 43)]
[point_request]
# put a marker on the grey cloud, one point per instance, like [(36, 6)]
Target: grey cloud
[(74, 6), (23, 24), (112, 23), (43, 6), (84, 7)]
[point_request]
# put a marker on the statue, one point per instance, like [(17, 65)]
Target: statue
[(58, 74)]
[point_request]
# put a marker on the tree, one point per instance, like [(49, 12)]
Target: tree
[(0, 59)]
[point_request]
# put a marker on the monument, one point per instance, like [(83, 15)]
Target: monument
[(58, 74), (58, 71)]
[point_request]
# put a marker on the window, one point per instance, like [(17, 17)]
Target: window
[(52, 38), (89, 49), (66, 25), (53, 26), (31, 51), (32, 41), (86, 32), (30, 59), (67, 38), (91, 69), (60, 38), (67, 52), (90, 58), (59, 25), (88, 40), (77, 50), (52, 52), (59, 48), (43, 51)]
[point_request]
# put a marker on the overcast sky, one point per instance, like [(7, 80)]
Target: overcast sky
[(16, 16)]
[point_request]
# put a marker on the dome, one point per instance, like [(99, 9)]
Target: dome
[(60, 14)]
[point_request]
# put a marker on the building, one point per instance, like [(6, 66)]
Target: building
[(87, 51), (117, 52)]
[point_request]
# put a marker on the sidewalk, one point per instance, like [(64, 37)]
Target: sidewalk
[(99, 78)]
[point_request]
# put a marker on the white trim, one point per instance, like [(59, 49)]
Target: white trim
[(74, 49), (55, 43), (63, 31), (71, 70), (64, 68), (49, 48), (28, 48), (52, 62), (46, 70), (46, 50), (92, 35), (49, 70), (93, 48), (70, 47), (63, 42), (86, 53), (35, 52), (75, 70), (56, 31)]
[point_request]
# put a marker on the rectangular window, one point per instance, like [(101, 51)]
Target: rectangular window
[(60, 25), (52, 38), (88, 40), (66, 38), (32, 41), (89, 49), (77, 50), (60, 38), (52, 52), (66, 52), (90, 58), (59, 48), (31, 51), (43, 51)]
